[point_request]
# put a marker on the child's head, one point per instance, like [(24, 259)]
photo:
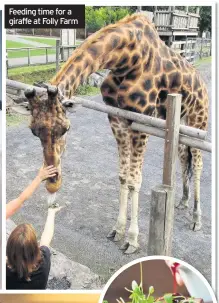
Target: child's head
[(23, 252)]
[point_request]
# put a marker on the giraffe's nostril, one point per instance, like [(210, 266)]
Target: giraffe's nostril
[(54, 179)]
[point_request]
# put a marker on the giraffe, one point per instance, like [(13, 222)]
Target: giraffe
[(143, 71)]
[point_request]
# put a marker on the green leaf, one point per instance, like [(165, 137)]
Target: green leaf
[(151, 290), (150, 299), (168, 298)]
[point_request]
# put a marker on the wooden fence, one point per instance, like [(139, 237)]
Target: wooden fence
[(162, 196), (172, 19), (57, 51), (193, 49)]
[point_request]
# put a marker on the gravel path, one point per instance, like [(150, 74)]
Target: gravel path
[(90, 191)]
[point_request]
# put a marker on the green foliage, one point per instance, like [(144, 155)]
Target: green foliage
[(168, 298), (87, 90), (31, 74), (205, 19), (138, 296), (15, 119), (96, 18)]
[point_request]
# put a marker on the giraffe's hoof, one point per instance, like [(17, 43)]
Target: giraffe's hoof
[(129, 249), (115, 236), (195, 226), (118, 237), (183, 204), (111, 234)]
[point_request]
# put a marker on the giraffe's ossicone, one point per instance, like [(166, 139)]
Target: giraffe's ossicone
[(143, 71)]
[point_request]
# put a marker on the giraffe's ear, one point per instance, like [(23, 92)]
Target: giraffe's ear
[(30, 93), (70, 105), (52, 91)]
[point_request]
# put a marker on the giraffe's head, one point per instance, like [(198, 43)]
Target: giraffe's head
[(50, 124)]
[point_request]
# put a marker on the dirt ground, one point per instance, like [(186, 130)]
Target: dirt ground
[(90, 191)]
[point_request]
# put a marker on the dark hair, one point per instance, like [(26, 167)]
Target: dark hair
[(23, 252)]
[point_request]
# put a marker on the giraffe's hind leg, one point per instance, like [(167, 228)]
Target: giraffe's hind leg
[(197, 164), (122, 134), (185, 157), (138, 147)]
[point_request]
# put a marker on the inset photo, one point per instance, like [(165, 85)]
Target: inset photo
[(157, 279)]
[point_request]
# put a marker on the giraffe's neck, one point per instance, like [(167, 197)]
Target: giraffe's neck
[(117, 48)]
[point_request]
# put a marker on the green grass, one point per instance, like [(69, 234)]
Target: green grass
[(10, 44), (87, 90), (31, 74), (24, 53), (206, 60), (51, 42), (15, 119)]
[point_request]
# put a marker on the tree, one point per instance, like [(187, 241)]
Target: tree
[(98, 17), (204, 23), (205, 19)]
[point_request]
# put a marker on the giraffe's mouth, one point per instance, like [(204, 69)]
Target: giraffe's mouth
[(54, 185)]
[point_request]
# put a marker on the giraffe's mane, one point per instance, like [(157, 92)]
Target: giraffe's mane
[(94, 37)]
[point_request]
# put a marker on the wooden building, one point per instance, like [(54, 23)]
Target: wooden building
[(178, 28)]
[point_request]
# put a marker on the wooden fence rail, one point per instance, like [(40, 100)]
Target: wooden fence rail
[(58, 49), (137, 117), (194, 49)]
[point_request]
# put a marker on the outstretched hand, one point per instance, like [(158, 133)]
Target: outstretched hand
[(55, 209), (47, 172)]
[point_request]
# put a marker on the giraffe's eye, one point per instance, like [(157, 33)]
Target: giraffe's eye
[(34, 132), (63, 131)]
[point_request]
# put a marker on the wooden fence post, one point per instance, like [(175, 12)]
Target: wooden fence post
[(28, 57), (46, 55), (172, 138), (201, 48), (57, 54), (7, 65), (163, 196)]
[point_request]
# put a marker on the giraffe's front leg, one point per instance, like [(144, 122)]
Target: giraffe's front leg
[(122, 135), (139, 142), (197, 169)]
